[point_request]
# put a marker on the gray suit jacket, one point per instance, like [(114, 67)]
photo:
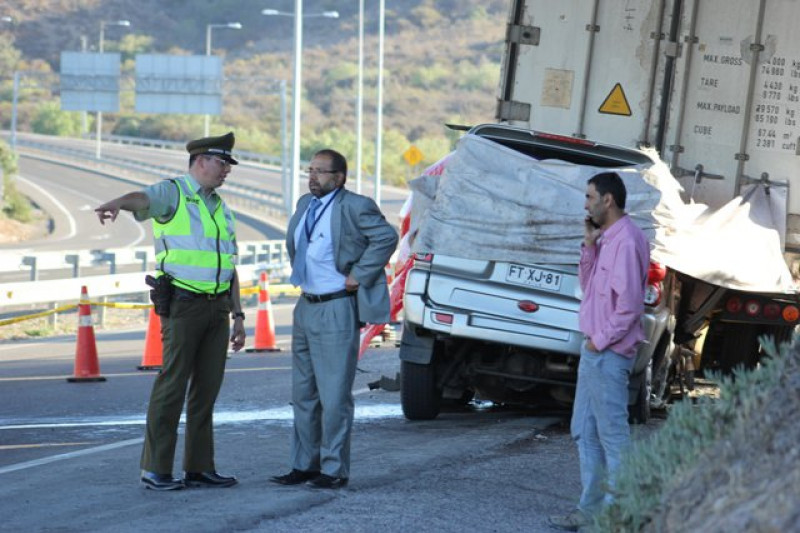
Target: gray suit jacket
[(363, 242)]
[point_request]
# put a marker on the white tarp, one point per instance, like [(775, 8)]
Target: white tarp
[(494, 203), (735, 246)]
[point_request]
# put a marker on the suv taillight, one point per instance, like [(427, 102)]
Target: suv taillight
[(656, 273), (652, 294)]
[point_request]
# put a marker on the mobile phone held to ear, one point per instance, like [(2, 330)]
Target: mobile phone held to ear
[(591, 222)]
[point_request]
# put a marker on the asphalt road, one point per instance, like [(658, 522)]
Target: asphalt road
[(69, 452)]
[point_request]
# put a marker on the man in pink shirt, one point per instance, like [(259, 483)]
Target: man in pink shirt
[(613, 272)]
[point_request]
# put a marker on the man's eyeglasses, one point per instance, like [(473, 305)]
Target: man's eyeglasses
[(317, 171)]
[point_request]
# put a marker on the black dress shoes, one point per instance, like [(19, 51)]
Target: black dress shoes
[(209, 479), (295, 477), (154, 481), (324, 481)]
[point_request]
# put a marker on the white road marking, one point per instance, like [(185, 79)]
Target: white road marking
[(281, 415), (61, 207), (70, 455)]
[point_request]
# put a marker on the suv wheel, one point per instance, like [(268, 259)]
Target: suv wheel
[(419, 396)]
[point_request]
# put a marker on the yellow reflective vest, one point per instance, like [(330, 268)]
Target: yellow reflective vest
[(197, 248)]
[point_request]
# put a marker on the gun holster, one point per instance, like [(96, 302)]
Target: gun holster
[(160, 293)]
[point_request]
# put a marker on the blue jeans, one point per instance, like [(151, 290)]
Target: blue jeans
[(600, 423)]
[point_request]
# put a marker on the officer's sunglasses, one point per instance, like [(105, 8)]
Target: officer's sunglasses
[(222, 162)]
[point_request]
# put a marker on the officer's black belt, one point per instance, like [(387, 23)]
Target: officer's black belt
[(319, 298), (206, 296)]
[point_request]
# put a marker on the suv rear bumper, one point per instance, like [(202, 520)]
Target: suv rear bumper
[(494, 329)]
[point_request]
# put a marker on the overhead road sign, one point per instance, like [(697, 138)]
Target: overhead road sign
[(90, 81), (178, 84)]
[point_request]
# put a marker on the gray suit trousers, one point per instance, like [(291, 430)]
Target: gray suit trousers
[(325, 340)]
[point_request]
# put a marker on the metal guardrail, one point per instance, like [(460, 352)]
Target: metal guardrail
[(181, 146), (269, 258), (271, 252)]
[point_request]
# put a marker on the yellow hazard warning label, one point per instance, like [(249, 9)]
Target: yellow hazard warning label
[(616, 103)]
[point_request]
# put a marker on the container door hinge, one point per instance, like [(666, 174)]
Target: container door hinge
[(742, 157), (672, 49), (512, 110), (593, 27), (519, 34), (677, 148)]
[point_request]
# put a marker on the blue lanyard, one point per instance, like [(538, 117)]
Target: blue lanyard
[(319, 216)]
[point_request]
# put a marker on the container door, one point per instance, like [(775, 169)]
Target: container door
[(736, 99), (587, 68)]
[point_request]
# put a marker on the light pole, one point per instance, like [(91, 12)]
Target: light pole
[(294, 185), (379, 123), (209, 27), (101, 44), (360, 94)]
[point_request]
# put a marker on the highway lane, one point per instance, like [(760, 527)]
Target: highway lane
[(247, 174)]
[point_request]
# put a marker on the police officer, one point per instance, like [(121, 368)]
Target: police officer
[(195, 244)]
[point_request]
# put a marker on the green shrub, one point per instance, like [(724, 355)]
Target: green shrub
[(692, 434), (49, 119), (16, 206)]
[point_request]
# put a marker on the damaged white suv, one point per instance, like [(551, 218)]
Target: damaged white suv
[(491, 302)]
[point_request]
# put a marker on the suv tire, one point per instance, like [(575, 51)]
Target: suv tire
[(419, 395)]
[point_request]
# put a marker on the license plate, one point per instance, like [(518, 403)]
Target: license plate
[(537, 278)]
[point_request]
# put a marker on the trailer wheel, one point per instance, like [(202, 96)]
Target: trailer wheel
[(419, 396)]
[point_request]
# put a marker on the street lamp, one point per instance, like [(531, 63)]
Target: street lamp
[(294, 186), (101, 44), (379, 118), (209, 27)]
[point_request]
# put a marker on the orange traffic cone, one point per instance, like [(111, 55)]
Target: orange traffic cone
[(87, 367), (153, 357), (265, 327)]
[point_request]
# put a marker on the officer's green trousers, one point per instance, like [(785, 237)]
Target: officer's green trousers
[(195, 339)]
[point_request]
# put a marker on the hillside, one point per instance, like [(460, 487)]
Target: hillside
[(442, 63)]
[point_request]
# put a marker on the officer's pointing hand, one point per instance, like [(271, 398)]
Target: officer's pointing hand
[(107, 212)]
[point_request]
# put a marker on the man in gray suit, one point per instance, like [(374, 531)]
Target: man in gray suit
[(339, 243)]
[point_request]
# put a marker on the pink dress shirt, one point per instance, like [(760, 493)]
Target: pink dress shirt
[(613, 275)]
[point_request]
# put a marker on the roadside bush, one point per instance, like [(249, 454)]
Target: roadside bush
[(684, 471), (15, 205), (8, 160), (49, 119)]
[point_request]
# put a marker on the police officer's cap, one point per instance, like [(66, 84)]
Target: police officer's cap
[(221, 146)]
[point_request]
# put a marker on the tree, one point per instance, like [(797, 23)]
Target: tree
[(9, 56), (51, 120)]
